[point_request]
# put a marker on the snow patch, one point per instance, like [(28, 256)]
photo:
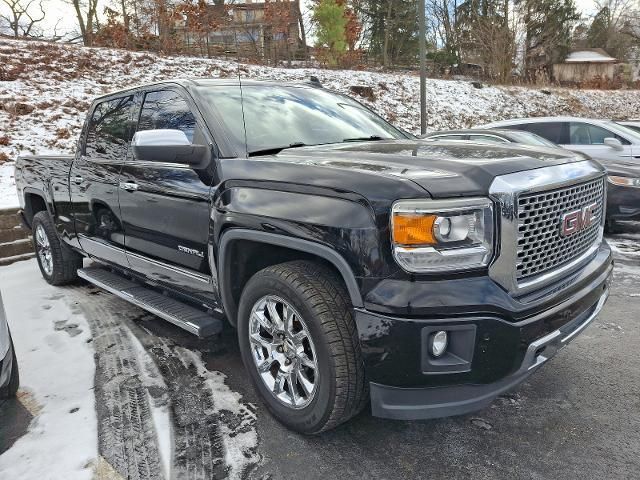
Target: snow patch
[(57, 370), (8, 194), (589, 56), (240, 440)]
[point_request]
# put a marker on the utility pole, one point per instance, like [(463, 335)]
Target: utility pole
[(423, 65)]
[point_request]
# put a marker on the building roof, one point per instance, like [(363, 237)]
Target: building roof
[(589, 55)]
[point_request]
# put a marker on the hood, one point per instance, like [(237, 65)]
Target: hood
[(444, 169)]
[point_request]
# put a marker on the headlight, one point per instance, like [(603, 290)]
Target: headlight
[(624, 181), (442, 235)]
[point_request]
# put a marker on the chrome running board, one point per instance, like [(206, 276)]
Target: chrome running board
[(191, 319)]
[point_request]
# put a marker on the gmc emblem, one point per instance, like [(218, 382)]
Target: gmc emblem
[(578, 220)]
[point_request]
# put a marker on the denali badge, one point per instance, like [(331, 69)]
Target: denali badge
[(191, 251), (578, 220)]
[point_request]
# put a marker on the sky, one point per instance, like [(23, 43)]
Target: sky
[(61, 12)]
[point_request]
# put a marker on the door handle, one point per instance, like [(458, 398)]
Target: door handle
[(129, 186), (78, 179)]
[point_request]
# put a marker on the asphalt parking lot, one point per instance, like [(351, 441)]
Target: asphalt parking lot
[(578, 417)]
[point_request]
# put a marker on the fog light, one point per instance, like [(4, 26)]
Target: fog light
[(438, 343)]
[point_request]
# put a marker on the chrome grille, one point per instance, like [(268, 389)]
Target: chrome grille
[(540, 246)]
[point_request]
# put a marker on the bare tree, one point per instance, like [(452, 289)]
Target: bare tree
[(87, 15), (21, 19)]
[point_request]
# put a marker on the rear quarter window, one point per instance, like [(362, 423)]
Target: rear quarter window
[(556, 132)]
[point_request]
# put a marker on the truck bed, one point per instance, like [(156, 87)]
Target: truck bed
[(45, 173)]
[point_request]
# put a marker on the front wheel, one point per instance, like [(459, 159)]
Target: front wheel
[(299, 342)]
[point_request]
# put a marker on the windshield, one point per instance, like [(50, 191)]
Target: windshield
[(629, 132), (279, 117), (634, 127), (528, 138)]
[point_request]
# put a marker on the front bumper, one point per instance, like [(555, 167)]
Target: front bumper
[(492, 353)]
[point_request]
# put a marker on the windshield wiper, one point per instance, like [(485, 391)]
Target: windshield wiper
[(372, 138), (276, 150)]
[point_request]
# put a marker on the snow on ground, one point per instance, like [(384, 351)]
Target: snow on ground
[(47, 89), (8, 195), (57, 370)]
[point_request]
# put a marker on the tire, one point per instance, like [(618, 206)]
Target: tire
[(10, 390), (322, 311), (58, 263)]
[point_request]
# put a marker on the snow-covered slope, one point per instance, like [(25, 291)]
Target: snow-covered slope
[(45, 90)]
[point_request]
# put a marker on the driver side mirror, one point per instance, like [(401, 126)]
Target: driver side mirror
[(613, 143), (169, 146)]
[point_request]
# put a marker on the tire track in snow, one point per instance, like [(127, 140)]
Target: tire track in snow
[(212, 432), (199, 448), (126, 433)]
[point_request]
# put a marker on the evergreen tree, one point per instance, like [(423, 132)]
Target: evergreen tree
[(548, 26), (598, 35), (391, 29), (331, 22)]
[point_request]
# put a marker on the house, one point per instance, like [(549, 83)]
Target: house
[(269, 30), (585, 65)]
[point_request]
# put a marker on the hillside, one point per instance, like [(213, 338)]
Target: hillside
[(45, 90)]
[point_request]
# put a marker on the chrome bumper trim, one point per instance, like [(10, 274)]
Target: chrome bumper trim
[(540, 351)]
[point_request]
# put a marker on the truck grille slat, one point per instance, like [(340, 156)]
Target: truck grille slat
[(541, 247)]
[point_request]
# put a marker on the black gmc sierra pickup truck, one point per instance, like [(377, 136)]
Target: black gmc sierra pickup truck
[(357, 263)]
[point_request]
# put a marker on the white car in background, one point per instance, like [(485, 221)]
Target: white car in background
[(600, 139)]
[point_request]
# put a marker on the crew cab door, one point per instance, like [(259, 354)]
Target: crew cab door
[(165, 206), (94, 179)]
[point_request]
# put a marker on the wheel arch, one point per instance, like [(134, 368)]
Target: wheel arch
[(34, 201), (286, 248)]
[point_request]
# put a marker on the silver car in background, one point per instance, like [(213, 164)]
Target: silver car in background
[(496, 135), (600, 139), (9, 378)]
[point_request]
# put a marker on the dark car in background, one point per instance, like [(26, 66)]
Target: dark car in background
[(623, 194), (9, 379)]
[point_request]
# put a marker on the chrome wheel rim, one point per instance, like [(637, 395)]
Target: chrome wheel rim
[(283, 351), (43, 248)]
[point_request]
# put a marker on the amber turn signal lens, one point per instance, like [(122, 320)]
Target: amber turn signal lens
[(413, 229)]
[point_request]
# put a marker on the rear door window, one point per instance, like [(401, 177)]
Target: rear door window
[(556, 132), (167, 109), (110, 129)]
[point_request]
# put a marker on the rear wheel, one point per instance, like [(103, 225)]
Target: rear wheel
[(299, 343), (58, 263)]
